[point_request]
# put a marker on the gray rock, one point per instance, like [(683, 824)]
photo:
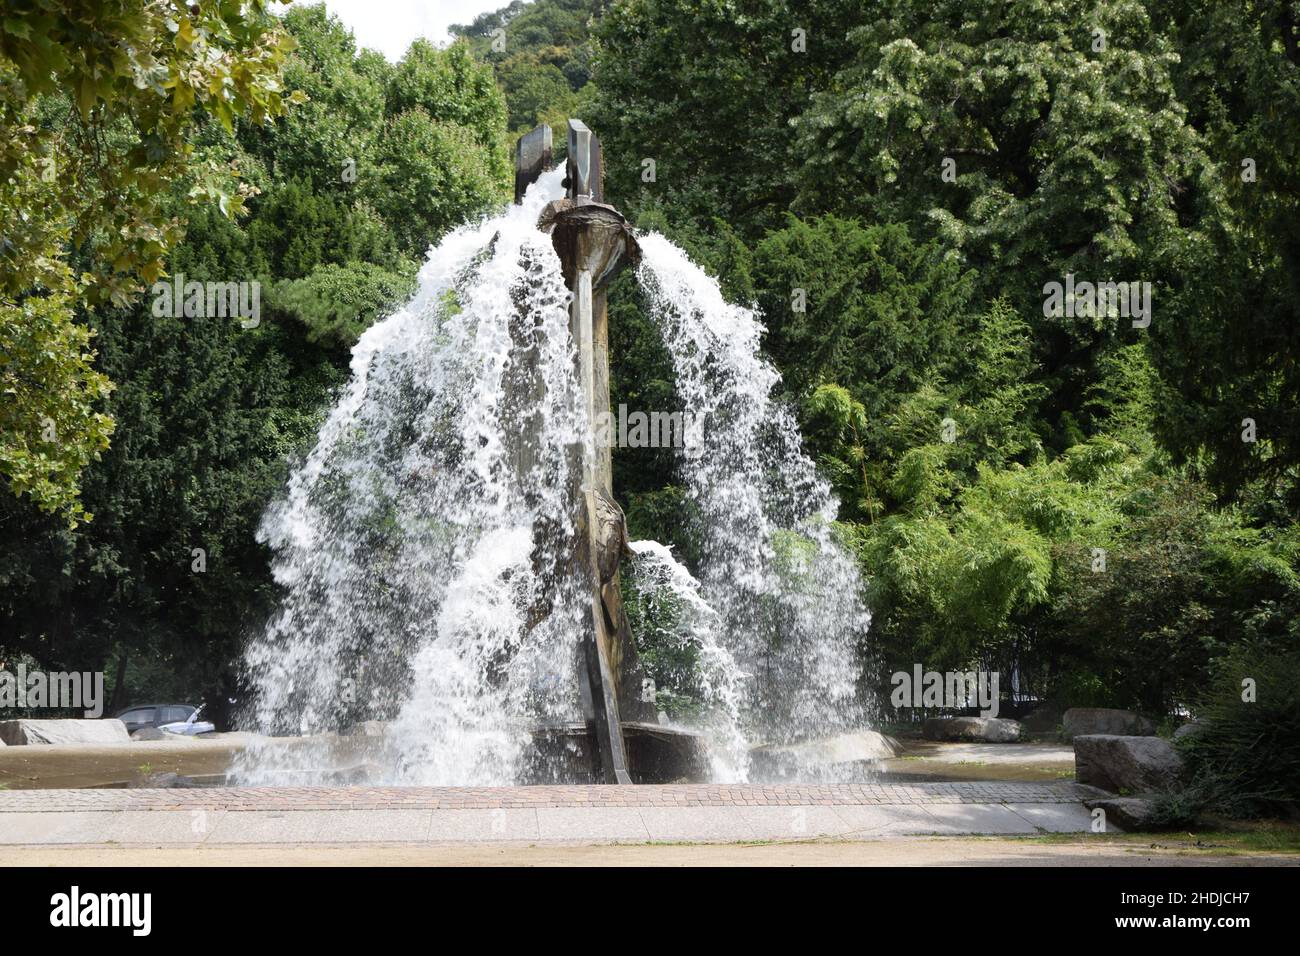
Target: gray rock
[(148, 733), (1135, 764), (1126, 813), (1105, 720), (1042, 720), (992, 730), (27, 732), (1189, 729)]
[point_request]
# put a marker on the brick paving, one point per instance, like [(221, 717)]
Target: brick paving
[(486, 798)]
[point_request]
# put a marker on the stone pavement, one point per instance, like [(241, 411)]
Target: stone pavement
[(571, 814)]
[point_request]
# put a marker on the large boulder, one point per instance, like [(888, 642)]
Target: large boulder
[(22, 732), (1124, 813), (1105, 720), (1121, 763), (1042, 720), (989, 730)]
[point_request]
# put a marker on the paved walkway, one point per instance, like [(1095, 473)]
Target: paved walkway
[(893, 851), (585, 815), (488, 798)]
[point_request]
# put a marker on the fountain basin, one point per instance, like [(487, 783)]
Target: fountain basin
[(565, 753)]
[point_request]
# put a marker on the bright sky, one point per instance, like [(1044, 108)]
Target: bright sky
[(389, 26)]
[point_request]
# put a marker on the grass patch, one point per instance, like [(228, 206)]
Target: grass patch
[(1262, 836)]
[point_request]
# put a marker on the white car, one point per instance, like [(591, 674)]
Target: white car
[(190, 727)]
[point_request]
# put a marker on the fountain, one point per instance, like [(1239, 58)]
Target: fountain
[(450, 550)]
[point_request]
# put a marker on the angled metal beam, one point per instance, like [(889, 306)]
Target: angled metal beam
[(532, 158), (584, 168)]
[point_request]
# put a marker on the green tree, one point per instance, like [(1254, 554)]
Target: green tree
[(707, 90), (451, 88), (336, 303), (428, 177), (1229, 356), (330, 138), (51, 425), (540, 55), (857, 304), (97, 101)]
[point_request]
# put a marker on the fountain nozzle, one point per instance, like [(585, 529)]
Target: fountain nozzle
[(592, 238)]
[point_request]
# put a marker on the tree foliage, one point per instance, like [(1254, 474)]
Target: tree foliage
[(98, 101), (984, 452), (1068, 499), (540, 55)]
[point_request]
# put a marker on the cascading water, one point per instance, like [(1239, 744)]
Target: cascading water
[(787, 595), (422, 544), (424, 547), (674, 616)]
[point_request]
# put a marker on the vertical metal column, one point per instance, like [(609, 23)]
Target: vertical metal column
[(593, 243)]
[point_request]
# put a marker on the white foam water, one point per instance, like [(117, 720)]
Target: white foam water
[(421, 545), (674, 616), (786, 593)]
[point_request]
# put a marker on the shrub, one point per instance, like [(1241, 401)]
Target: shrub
[(1244, 758)]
